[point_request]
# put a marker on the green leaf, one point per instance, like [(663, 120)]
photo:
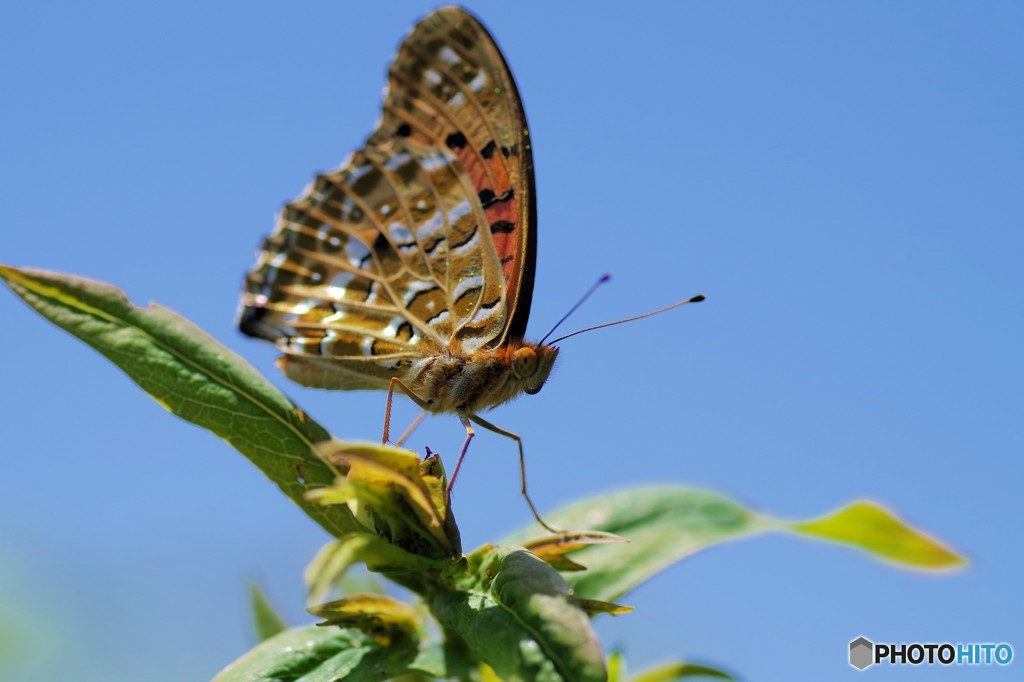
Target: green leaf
[(192, 375), (494, 636), (677, 671), (669, 523), (662, 525), (265, 620), (315, 654), (525, 624), (541, 600), (874, 529)]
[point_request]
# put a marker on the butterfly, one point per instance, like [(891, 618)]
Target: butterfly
[(410, 268)]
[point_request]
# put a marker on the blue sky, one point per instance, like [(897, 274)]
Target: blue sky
[(841, 179)]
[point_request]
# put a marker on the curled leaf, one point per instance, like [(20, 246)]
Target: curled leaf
[(334, 558), (435, 484), (385, 619), (562, 563), (391, 493), (553, 548), (594, 607)]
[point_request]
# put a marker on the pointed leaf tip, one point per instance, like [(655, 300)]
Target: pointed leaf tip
[(265, 620), (873, 528)]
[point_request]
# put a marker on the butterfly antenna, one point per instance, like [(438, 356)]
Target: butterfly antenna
[(696, 299), (604, 278)]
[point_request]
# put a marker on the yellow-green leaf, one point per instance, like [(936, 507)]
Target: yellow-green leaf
[(385, 619), (875, 529), (594, 607), (385, 487)]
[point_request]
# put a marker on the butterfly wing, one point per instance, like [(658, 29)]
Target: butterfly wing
[(422, 240), (450, 87)]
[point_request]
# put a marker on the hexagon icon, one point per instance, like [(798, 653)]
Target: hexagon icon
[(862, 653)]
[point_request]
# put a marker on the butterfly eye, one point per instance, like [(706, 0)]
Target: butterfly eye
[(524, 363), (533, 391)]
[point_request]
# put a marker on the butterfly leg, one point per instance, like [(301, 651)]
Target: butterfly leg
[(522, 466), (412, 427), (462, 454), (395, 381)]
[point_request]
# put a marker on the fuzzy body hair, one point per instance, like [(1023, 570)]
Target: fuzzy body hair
[(449, 381)]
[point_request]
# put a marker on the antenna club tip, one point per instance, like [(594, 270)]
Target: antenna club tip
[(696, 299), (605, 277)]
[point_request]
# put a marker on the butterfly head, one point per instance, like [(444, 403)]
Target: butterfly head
[(531, 366)]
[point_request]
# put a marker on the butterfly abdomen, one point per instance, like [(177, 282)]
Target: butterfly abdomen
[(467, 384), (464, 384)]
